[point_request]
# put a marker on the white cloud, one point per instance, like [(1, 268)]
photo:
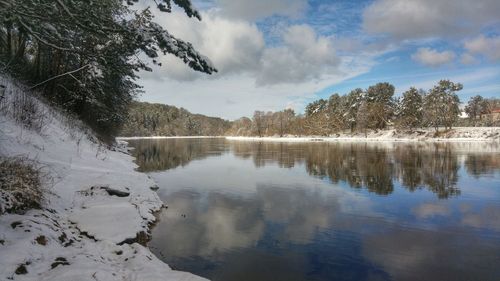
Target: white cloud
[(304, 56), (232, 45), (487, 46), (413, 19), (236, 47), (430, 57), (252, 76), (237, 96), (256, 9), (467, 59)]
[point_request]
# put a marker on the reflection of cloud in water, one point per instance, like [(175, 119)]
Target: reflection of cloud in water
[(218, 222), (487, 217), (289, 205), (302, 212), (409, 254), (427, 210), (191, 227)]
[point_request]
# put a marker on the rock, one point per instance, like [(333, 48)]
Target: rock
[(115, 192), (59, 261), (21, 269), (41, 240)]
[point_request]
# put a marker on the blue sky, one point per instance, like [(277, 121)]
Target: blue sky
[(275, 54)]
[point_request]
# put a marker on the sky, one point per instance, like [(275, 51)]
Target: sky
[(277, 54)]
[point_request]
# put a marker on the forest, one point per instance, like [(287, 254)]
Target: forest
[(147, 119), (83, 56), (375, 108), (360, 111)]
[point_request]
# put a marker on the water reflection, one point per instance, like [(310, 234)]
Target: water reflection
[(327, 211), (373, 166), (160, 154)]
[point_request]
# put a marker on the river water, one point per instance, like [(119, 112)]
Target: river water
[(261, 211)]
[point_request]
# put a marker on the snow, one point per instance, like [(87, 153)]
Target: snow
[(80, 221), (458, 134), (167, 137)]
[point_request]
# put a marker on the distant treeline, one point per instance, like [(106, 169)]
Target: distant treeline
[(374, 108), (359, 111), (148, 119)]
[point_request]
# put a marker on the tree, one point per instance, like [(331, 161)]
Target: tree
[(84, 55), (316, 107), (285, 118), (380, 105), (441, 104), (259, 122), (363, 117), (476, 107), (350, 107), (410, 109), (336, 112)]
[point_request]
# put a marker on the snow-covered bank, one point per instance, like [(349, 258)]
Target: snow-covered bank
[(168, 137), (460, 134), (96, 210)]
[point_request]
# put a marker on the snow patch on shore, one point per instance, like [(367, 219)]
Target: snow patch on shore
[(83, 231), (459, 134)]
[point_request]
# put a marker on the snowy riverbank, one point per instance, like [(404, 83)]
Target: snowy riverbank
[(460, 134), (97, 207)]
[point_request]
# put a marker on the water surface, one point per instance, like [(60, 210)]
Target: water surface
[(326, 211)]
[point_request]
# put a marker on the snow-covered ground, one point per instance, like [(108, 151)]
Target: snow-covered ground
[(168, 137), (459, 134), (84, 230)]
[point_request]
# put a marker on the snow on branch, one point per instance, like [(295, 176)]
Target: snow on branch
[(168, 44)]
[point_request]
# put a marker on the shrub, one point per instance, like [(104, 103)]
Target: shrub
[(21, 185), (23, 106)]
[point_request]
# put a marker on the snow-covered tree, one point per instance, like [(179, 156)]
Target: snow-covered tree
[(441, 104), (363, 117), (352, 102), (476, 107), (380, 104), (316, 107), (410, 109), (84, 55)]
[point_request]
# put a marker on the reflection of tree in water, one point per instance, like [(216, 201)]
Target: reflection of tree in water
[(372, 166), (163, 154), (479, 164), (360, 165), (262, 153), (440, 171), (434, 166)]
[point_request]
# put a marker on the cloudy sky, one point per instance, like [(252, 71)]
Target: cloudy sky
[(275, 54)]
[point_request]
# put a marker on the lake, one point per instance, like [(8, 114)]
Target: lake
[(261, 211)]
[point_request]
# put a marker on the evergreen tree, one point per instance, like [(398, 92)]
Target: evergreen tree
[(441, 104), (83, 55), (410, 109), (380, 105), (351, 105)]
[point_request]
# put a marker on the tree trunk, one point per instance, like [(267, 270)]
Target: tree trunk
[(9, 41)]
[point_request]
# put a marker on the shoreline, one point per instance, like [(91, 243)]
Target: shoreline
[(168, 137), (354, 139), (97, 208), (457, 134)]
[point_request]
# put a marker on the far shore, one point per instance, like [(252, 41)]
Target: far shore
[(458, 134)]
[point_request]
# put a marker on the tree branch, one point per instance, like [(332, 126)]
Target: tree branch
[(60, 75), (43, 41)]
